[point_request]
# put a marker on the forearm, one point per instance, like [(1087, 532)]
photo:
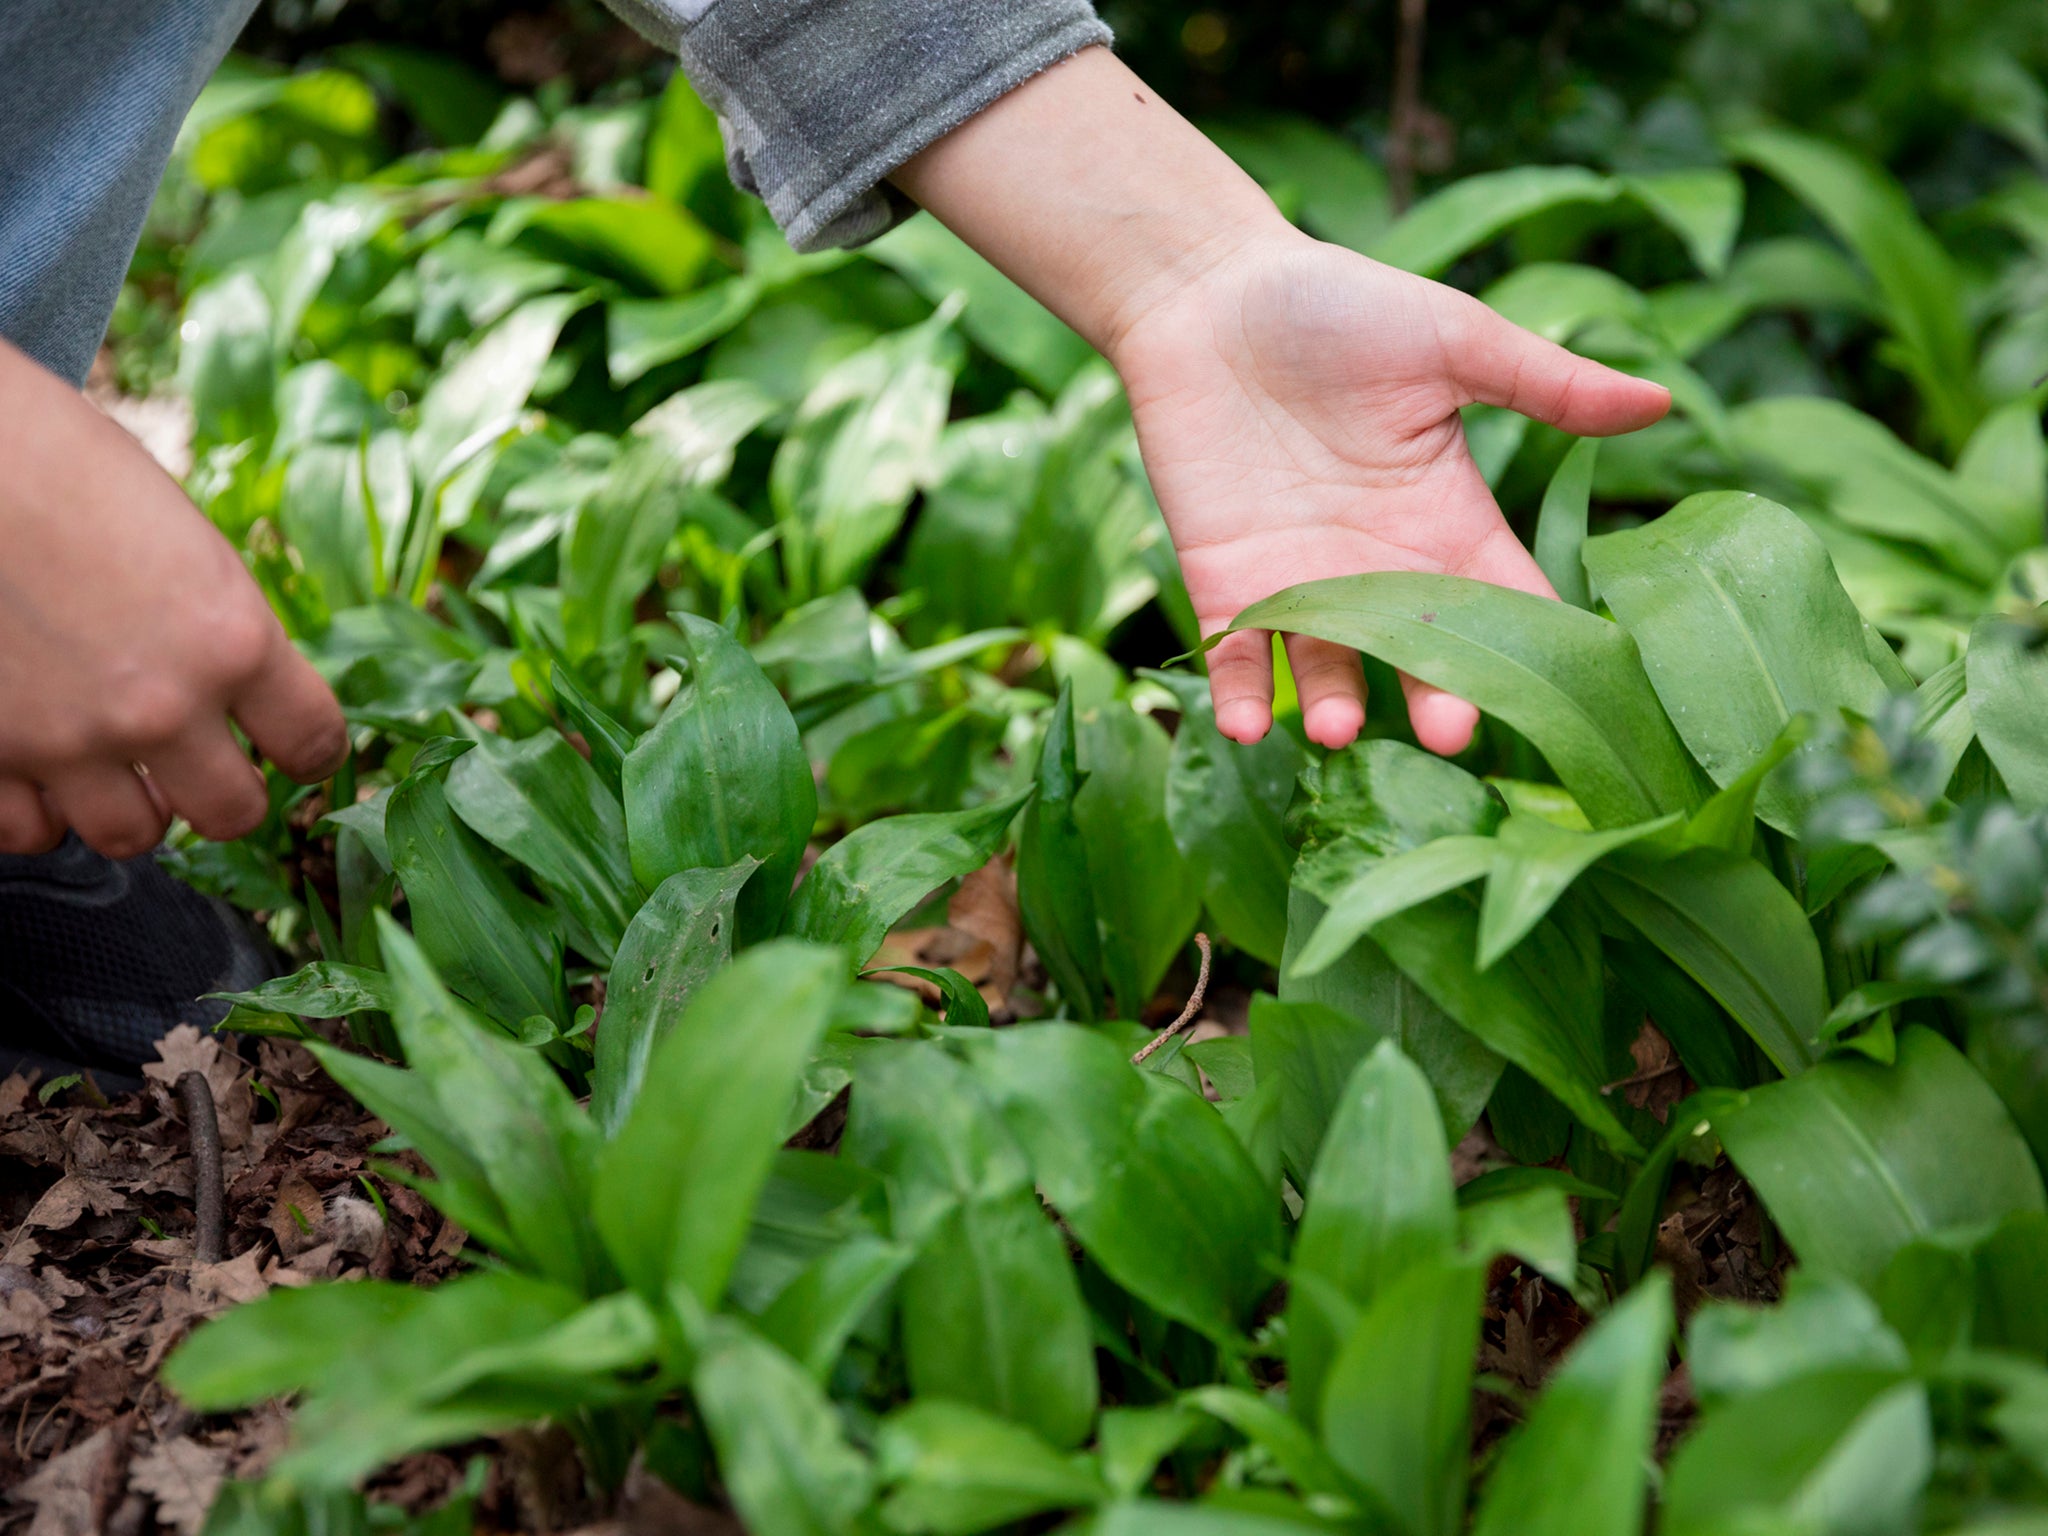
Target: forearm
[(1092, 194)]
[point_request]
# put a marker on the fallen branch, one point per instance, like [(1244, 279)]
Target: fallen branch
[(1187, 1014), (209, 1244)]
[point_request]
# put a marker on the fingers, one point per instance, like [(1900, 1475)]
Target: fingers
[(26, 823), (111, 808), (1442, 722), (205, 778), (1330, 680), (291, 716), (1499, 363), (1241, 685)]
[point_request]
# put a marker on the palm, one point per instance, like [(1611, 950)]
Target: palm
[(1301, 421)]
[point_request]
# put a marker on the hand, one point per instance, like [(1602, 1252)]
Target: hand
[(1297, 408), (129, 635)]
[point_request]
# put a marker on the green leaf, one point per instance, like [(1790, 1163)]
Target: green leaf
[(1828, 455), (782, 1452), (1561, 524), (1004, 320), (953, 1470), (1532, 1224), (722, 776), (865, 882), (715, 1094), (608, 741), (1534, 862), (1147, 1175), (481, 396), (540, 803), (1224, 804), (1388, 887), (1570, 682), (2008, 695), (1839, 1452), (1729, 925), (991, 1313), (1728, 820), (862, 442), (1053, 889), (492, 943), (326, 989), (1742, 626), (965, 1006), (1855, 1160), (1476, 210), (1578, 1466), (645, 242), (642, 334), (499, 1109), (1380, 1203), (1872, 215), (1823, 1324), (283, 1342), (1146, 900), (1294, 1450), (1397, 1407), (679, 939), (1702, 206), (813, 1316)]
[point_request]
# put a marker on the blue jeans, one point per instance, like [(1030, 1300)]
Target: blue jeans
[(91, 96)]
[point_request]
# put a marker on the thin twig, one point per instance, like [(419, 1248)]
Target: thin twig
[(1187, 1014), (209, 1245), (1647, 1075), (1406, 117)]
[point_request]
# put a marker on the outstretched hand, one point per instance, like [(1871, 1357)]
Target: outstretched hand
[(1297, 409)]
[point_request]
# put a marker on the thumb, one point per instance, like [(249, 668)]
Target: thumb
[(1496, 362)]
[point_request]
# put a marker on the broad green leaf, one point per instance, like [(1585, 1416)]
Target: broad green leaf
[(1729, 925), (991, 1315), (1224, 804), (862, 442), (491, 942), (715, 1094), (614, 548), (681, 936), (1131, 1442), (1728, 820), (1388, 887), (284, 1342), (1325, 1024), (965, 1007), (782, 1451), (227, 364), (1380, 1203), (1053, 889), (1702, 206), (1147, 1176), (1561, 524), (481, 396), (1295, 1451), (326, 989), (2008, 698), (495, 1109), (647, 243), (607, 740), (1558, 300), (1157, 1517), (1742, 626), (1334, 188), (813, 1316), (1578, 1466), (952, 1470), (1147, 901), (1840, 1451), (1824, 1323), (867, 880), (1532, 1224), (642, 334), (1001, 317), (541, 803), (984, 476), (721, 777), (1872, 215), (1569, 681), (1476, 210), (1534, 862), (1397, 1407), (1855, 1160)]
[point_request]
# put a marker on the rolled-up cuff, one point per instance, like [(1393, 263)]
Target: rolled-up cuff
[(821, 99)]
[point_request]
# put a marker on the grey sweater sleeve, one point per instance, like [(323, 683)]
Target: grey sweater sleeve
[(821, 99)]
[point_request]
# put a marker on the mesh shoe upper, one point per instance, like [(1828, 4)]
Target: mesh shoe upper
[(99, 960)]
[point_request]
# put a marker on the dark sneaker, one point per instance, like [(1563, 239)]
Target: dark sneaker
[(100, 960)]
